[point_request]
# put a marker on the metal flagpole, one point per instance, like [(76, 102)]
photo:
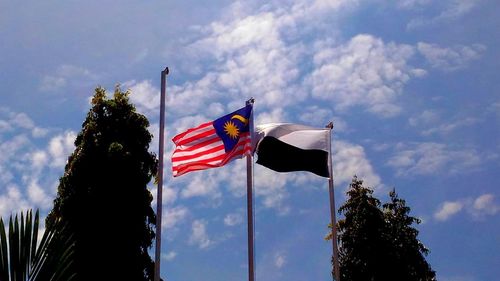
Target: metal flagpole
[(333, 221), (159, 198), (251, 272)]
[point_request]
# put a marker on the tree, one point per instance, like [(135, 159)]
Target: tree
[(23, 257), (407, 252), (361, 233), (379, 244), (103, 195)]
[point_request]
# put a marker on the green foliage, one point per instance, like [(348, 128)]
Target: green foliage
[(407, 252), (24, 258), (361, 236), (103, 195), (379, 243)]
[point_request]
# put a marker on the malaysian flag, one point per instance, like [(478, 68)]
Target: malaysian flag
[(213, 144)]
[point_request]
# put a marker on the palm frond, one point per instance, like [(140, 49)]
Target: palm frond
[(24, 258)]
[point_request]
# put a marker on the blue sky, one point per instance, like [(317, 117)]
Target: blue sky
[(411, 85)]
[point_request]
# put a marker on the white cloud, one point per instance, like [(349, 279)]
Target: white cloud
[(279, 260), (199, 235), (447, 210), (430, 158), (27, 175), (60, 148), (51, 83), (65, 74), (170, 256), (39, 196), (452, 58), (412, 4), (349, 160), (447, 128), (39, 159), (429, 118), (426, 117), (5, 126), (233, 219), (10, 148), (305, 11), (169, 195), (362, 72), (12, 201), (478, 208), (271, 186), (275, 115), (22, 120), (38, 132), (200, 185), (256, 54), (5, 175), (316, 114), (173, 216), (254, 61), (144, 96), (484, 205), (452, 11)]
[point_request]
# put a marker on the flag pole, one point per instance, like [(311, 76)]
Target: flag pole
[(336, 272), (251, 271), (159, 198)]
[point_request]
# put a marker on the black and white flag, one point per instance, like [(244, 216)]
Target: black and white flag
[(285, 147)]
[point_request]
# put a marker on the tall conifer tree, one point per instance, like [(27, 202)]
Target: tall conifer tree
[(361, 236), (407, 252), (103, 195), (379, 244)]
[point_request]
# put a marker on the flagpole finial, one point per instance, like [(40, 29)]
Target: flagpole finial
[(166, 71), (329, 125), (250, 101)]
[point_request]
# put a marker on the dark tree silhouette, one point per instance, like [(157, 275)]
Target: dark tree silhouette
[(361, 236), (103, 195), (379, 244), (407, 252)]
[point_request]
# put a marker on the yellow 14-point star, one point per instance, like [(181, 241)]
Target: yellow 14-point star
[(231, 129)]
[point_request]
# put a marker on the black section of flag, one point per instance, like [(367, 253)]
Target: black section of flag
[(283, 157)]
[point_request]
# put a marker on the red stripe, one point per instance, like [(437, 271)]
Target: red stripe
[(242, 147), (204, 161), (237, 152), (181, 135), (196, 155), (193, 168), (198, 145), (224, 157), (197, 137)]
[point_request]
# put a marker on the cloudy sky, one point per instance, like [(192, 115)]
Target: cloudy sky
[(411, 85)]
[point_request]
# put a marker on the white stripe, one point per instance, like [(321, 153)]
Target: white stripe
[(198, 131), (240, 146), (196, 165), (180, 149), (199, 158), (300, 136)]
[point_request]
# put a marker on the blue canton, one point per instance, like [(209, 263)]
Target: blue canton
[(238, 121)]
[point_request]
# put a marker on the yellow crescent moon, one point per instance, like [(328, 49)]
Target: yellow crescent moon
[(241, 118)]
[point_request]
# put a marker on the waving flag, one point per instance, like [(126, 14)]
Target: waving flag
[(213, 144), (291, 147)]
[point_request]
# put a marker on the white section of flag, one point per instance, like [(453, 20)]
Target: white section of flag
[(300, 136)]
